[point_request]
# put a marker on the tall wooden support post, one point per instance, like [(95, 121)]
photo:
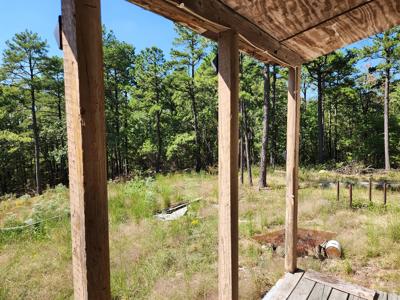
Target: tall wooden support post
[(228, 135), (84, 94), (292, 166)]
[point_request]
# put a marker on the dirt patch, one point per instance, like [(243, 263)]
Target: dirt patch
[(308, 240)]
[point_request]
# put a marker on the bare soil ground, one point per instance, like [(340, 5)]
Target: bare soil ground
[(307, 239)]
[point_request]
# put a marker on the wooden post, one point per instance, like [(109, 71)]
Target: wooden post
[(351, 195), (370, 189), (228, 135), (384, 193), (337, 190), (292, 165), (84, 95)]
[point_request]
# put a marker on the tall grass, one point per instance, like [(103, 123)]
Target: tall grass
[(151, 259)]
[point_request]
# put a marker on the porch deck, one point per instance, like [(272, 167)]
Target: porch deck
[(311, 285)]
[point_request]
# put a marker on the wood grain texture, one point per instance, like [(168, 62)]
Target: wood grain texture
[(338, 295), (382, 296), (292, 166), (283, 19), (340, 285), (302, 290), (228, 136), (284, 287), (369, 19), (84, 95), (284, 32), (320, 292), (210, 17)]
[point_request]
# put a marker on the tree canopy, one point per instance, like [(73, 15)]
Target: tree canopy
[(161, 110)]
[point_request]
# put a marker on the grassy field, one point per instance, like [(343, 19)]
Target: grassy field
[(151, 259)]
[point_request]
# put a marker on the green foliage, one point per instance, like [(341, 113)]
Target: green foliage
[(162, 114), (181, 149)]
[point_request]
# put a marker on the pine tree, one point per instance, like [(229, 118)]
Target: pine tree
[(190, 49), (22, 64), (385, 48), (151, 93)]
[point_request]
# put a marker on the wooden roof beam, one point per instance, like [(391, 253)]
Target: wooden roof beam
[(210, 17)]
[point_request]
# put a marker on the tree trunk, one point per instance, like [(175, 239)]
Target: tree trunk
[(272, 152), (321, 156), (335, 151), (35, 130), (117, 126), (247, 145), (386, 118), (241, 146), (126, 163), (305, 94), (63, 172), (329, 135), (196, 121), (263, 155), (159, 143)]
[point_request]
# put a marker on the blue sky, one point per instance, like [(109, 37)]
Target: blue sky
[(129, 22)]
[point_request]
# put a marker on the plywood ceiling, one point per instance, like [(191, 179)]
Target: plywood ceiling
[(283, 19), (287, 32)]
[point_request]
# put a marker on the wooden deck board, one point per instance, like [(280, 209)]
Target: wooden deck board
[(393, 297), (302, 289), (341, 285), (284, 287), (320, 292), (303, 286), (382, 296), (338, 295)]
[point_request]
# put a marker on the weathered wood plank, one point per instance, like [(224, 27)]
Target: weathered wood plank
[(284, 286), (320, 292), (292, 166), (210, 17), (382, 296), (302, 290), (228, 135), (338, 295), (84, 95), (340, 285), (392, 296), (371, 18)]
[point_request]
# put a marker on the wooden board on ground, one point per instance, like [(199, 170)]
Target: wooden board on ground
[(284, 286), (340, 285), (338, 295), (300, 286), (320, 292), (302, 290), (382, 296)]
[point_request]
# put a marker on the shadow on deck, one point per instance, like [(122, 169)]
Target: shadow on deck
[(311, 285)]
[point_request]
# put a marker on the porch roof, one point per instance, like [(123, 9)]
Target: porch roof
[(289, 32)]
